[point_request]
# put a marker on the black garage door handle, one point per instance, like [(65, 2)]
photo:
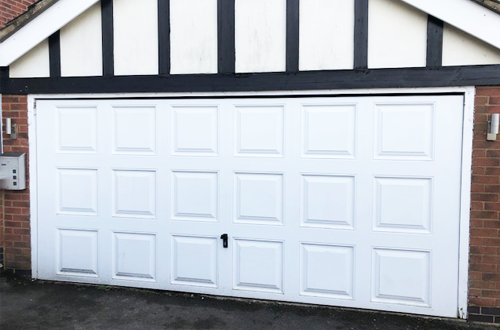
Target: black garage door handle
[(224, 240)]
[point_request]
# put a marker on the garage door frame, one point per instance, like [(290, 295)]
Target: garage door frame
[(467, 135)]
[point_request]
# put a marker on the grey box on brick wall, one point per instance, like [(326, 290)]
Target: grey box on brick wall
[(13, 171)]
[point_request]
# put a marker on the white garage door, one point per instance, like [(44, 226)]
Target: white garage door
[(336, 201)]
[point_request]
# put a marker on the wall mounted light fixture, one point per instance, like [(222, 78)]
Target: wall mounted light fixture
[(493, 127), (10, 129)]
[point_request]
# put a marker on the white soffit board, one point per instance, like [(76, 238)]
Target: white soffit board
[(193, 35), (460, 48), (81, 45), (466, 15), (326, 34), (34, 64), (260, 35), (135, 37), (43, 26), (397, 35)]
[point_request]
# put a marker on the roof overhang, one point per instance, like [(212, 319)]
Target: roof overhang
[(490, 4), (465, 15), (18, 22)]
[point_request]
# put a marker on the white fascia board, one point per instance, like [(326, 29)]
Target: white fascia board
[(42, 27), (465, 15)]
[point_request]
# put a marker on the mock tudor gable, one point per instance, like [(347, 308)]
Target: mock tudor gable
[(314, 151), (268, 37)]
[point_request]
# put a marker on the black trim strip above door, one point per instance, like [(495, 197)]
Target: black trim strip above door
[(481, 75), (108, 61), (226, 51), (55, 54), (434, 42), (164, 37), (360, 34)]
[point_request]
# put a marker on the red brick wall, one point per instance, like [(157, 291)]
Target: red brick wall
[(16, 218), (10, 9), (484, 271), (14, 207)]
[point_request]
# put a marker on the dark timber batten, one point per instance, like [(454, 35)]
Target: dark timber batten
[(108, 62), (292, 36), (361, 34), (55, 54), (4, 76), (164, 37), (482, 75), (225, 36), (434, 42)]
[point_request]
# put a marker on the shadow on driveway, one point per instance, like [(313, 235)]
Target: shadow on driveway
[(26, 304)]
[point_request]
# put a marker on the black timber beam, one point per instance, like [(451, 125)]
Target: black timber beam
[(361, 34), (55, 54), (164, 37), (226, 36), (4, 76), (108, 61), (292, 35), (308, 80), (434, 42)]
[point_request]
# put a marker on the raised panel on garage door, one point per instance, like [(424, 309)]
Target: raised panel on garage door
[(344, 201)]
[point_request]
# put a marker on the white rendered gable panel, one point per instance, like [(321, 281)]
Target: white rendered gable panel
[(260, 35), (193, 35), (397, 35), (460, 48), (81, 45), (135, 37), (326, 34), (34, 64)]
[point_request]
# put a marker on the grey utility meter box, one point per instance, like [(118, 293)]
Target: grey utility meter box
[(13, 171)]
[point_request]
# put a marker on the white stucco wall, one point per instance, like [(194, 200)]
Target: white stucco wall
[(397, 35), (135, 37), (33, 64), (81, 45), (260, 35), (326, 34), (460, 48), (193, 36)]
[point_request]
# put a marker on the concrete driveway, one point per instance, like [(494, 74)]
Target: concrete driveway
[(26, 304)]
